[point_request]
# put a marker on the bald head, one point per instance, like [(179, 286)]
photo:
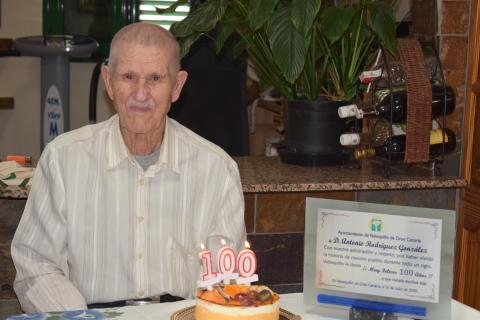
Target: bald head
[(146, 34)]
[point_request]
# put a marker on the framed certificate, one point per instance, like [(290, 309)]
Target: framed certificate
[(385, 258)]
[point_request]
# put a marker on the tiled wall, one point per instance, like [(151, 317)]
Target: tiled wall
[(453, 32), (275, 225)]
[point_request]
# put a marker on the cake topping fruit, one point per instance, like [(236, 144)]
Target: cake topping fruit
[(265, 295), (225, 295), (239, 295)]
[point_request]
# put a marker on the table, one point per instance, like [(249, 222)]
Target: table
[(292, 302)]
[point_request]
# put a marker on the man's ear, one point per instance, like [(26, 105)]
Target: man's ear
[(181, 78), (107, 80)]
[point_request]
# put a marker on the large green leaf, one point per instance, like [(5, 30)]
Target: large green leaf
[(304, 13), (172, 8), (259, 11), (288, 45), (202, 19), (383, 24), (225, 29), (239, 49), (335, 22), (187, 42)]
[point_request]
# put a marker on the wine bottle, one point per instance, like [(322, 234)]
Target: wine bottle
[(399, 111), (355, 139), (378, 131), (394, 146)]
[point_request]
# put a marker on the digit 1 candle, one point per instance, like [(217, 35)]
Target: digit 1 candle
[(208, 277), (247, 265), (226, 262)]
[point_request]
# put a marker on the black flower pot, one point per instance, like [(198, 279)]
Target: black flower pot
[(312, 133)]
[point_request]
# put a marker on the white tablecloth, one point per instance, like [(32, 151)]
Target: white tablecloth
[(292, 302)]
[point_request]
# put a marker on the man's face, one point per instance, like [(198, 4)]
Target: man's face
[(141, 86)]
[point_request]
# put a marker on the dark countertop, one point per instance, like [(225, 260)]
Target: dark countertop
[(269, 174), (12, 192)]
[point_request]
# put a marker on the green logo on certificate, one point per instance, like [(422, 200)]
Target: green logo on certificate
[(376, 224)]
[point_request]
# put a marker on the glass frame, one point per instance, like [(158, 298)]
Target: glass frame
[(438, 311)]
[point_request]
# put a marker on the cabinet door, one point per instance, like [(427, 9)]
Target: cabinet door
[(467, 274)]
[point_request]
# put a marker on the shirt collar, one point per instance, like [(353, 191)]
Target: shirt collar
[(118, 151), (169, 148)]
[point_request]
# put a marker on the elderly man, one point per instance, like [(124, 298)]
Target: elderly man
[(117, 210)]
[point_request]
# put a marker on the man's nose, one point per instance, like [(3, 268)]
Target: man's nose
[(142, 90)]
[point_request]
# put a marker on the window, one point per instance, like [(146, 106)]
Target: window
[(101, 19), (147, 12)]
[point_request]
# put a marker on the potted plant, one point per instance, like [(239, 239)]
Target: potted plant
[(311, 52)]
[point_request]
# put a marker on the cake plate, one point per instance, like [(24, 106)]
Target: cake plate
[(189, 314)]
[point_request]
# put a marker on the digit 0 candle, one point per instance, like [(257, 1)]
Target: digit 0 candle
[(247, 265), (226, 262)]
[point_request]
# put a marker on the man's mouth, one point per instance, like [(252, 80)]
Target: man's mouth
[(139, 109)]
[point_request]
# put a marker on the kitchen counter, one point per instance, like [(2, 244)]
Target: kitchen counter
[(11, 192), (268, 174), (260, 174)]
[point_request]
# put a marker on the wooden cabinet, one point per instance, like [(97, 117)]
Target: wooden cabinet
[(467, 275)]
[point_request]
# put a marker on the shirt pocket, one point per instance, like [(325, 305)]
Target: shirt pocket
[(182, 266)]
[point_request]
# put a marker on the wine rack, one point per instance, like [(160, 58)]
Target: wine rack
[(407, 72)]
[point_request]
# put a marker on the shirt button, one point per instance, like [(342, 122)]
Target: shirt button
[(140, 255), (141, 293), (142, 181), (140, 219)]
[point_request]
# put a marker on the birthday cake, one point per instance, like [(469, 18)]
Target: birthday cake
[(237, 302)]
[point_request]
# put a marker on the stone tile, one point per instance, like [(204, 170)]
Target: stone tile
[(455, 78), (287, 288), (280, 258), (424, 18), (285, 212), (10, 214), (453, 53), (455, 17), (454, 121), (7, 274), (249, 212), (9, 307), (451, 167), (459, 95), (433, 198)]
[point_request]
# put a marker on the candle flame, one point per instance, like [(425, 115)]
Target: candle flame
[(247, 244), (202, 246), (223, 242)]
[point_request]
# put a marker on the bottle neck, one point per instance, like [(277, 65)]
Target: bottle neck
[(355, 139)]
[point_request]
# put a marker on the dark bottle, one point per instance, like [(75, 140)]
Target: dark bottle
[(395, 146), (399, 111)]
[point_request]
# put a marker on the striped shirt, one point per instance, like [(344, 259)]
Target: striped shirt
[(99, 228)]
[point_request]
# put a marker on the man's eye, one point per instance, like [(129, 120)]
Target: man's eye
[(156, 78), (129, 76)]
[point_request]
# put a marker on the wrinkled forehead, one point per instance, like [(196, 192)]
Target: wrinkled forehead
[(144, 58), (137, 56)]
